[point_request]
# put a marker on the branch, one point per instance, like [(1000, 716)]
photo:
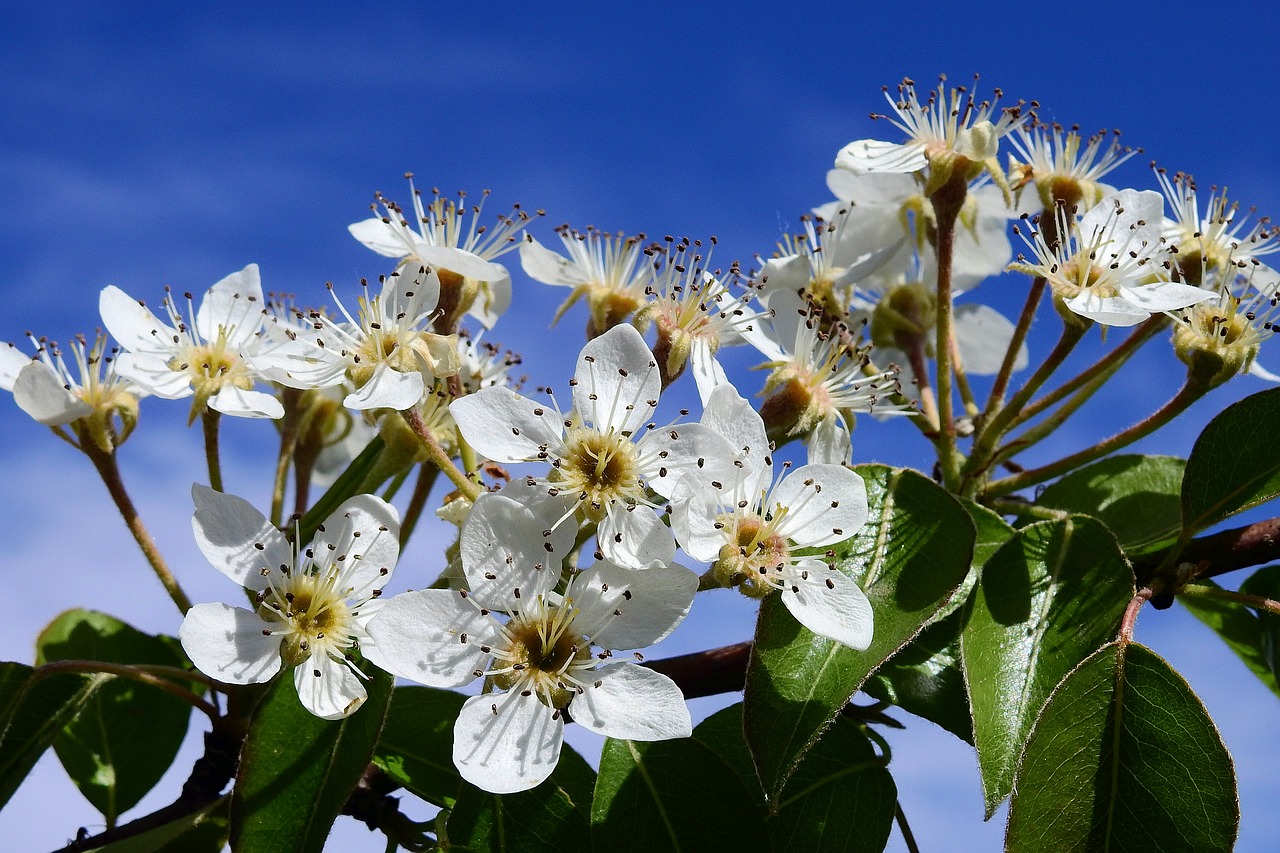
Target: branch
[(1239, 548), (722, 670)]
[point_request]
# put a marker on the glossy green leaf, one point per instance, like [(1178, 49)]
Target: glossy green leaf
[(1246, 634), (841, 797), (205, 831), (672, 795), (128, 733), (297, 770), (32, 713), (722, 734), (1124, 757), (1235, 463), (416, 746), (1136, 496), (926, 677), (910, 558), (1265, 583), (1048, 599), (553, 816)]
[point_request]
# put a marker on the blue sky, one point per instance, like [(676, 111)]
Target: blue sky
[(143, 146)]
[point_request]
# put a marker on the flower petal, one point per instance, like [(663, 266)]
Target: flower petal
[(228, 644), (387, 389), (504, 426), (328, 688), (824, 504), (362, 536), (233, 306), (635, 537), (543, 265), (246, 404), (153, 374), (431, 636), (626, 609), (863, 156), (828, 603), (983, 335), (504, 743), (12, 360), (237, 539), (383, 237), (632, 702), (617, 381), (40, 392), (132, 323), (508, 544)]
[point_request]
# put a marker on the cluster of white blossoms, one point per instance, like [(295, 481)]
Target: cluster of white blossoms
[(848, 315)]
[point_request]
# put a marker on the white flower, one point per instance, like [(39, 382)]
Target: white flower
[(385, 351), (548, 656), (54, 394), (1220, 241), (816, 379), (461, 252), (1219, 338), (695, 315), (313, 603), (1062, 171), (950, 131), (604, 459), (1111, 265), (751, 533), (611, 271), (210, 357)]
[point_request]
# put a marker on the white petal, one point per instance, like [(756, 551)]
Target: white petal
[(983, 335), (493, 300), (696, 450), (132, 324), (227, 644), (824, 503), (420, 636), (387, 389), (872, 155), (328, 688), (840, 611), (1261, 372), (1110, 311), (626, 609), (12, 360), (504, 426), (154, 375), (460, 261), (634, 703), (980, 255), (233, 305), (40, 392), (1165, 296), (864, 190), (506, 743), (635, 538), (383, 237), (730, 416), (366, 529), (229, 532), (707, 372), (617, 381), (790, 272), (246, 404), (830, 442), (504, 548), (542, 264)]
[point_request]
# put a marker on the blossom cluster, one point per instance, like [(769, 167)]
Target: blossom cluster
[(844, 315)]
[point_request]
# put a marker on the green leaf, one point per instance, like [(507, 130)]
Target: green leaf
[(416, 746), (926, 677), (841, 797), (1265, 583), (1242, 630), (1235, 463), (348, 484), (553, 816), (1124, 757), (205, 831), (1136, 496), (672, 795), (32, 712), (128, 733), (722, 734), (911, 556), (1048, 599), (297, 770)]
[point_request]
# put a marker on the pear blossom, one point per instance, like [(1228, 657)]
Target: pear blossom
[(950, 132), (93, 393), (1061, 170), (211, 357), (461, 252), (695, 315), (1110, 266), (1221, 337), (817, 378), (313, 603), (604, 458), (751, 532), (611, 271), (1218, 241), (541, 655), (384, 350)]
